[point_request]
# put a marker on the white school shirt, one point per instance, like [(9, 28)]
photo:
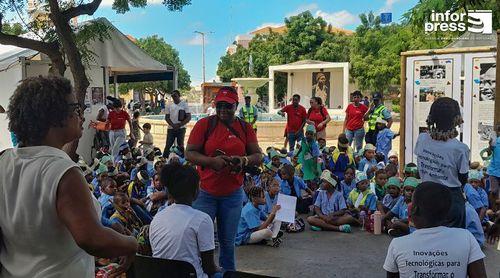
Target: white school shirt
[(180, 232), (440, 161), (433, 251), (35, 242), (173, 110)]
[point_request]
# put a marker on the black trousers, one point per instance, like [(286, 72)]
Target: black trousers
[(174, 135)]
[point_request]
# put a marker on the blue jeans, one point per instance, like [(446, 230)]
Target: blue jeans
[(293, 139), (357, 136), (227, 211)]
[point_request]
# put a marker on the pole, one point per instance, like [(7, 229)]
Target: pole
[(497, 91), (402, 115), (203, 54)]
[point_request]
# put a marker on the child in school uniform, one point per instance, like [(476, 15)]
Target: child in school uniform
[(341, 158), (368, 164), (255, 226), (393, 193), (137, 192), (308, 157), (378, 186), (271, 195), (349, 182), (361, 198), (391, 170), (125, 215), (471, 191), (473, 223), (330, 207), (397, 218), (100, 174), (156, 195), (292, 185), (384, 138), (147, 139), (410, 170)]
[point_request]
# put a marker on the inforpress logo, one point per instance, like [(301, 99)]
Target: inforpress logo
[(473, 21)]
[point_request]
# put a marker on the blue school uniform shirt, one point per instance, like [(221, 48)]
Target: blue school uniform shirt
[(284, 160), (97, 188), (365, 163), (494, 167), (298, 185), (473, 224), (389, 202), (483, 196), (105, 200), (400, 209), (347, 188), (107, 209), (473, 196), (251, 218), (270, 203), (370, 201), (384, 141), (330, 205)]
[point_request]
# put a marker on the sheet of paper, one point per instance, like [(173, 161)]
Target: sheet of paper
[(287, 211)]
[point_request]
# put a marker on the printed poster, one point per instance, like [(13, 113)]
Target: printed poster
[(433, 79), (483, 103), (321, 87), (87, 101)]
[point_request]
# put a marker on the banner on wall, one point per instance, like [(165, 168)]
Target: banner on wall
[(321, 87), (433, 79), (483, 102)]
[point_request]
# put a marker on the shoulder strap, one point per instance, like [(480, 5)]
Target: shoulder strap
[(212, 123)]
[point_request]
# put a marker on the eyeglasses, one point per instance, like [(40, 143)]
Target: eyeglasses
[(77, 107), (224, 105)]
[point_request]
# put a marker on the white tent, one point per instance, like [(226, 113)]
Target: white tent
[(117, 60)]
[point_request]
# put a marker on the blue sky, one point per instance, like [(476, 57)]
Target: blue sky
[(228, 18)]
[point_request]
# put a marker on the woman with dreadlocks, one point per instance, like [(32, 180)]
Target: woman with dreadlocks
[(442, 158)]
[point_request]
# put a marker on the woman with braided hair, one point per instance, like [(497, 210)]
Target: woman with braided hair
[(442, 158)]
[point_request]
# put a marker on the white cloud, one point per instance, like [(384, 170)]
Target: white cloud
[(338, 19), (109, 3), (197, 40), (302, 8), (269, 24), (388, 5)]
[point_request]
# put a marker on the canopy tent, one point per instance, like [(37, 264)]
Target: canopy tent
[(302, 79), (117, 60)]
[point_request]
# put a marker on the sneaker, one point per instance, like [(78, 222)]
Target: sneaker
[(315, 228), (275, 242), (280, 234), (394, 233), (345, 228)]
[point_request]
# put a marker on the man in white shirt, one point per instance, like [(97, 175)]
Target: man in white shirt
[(434, 250), (180, 232), (177, 116)]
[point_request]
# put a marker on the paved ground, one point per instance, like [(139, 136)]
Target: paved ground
[(329, 254)]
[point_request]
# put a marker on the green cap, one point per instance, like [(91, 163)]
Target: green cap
[(393, 181), (311, 128), (101, 169), (475, 175), (411, 181)]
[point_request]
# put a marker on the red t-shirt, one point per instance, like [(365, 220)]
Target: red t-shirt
[(295, 117), (317, 118), (118, 119), (223, 182), (355, 115)]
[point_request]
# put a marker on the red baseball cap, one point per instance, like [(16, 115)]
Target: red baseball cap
[(227, 94)]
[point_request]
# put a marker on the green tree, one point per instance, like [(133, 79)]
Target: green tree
[(163, 52), (59, 40)]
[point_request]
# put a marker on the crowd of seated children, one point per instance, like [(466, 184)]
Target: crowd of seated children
[(396, 219)]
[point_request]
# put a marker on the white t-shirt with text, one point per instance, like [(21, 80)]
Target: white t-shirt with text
[(173, 110), (440, 161), (180, 232), (433, 252)]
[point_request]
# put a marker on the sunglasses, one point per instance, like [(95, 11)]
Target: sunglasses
[(224, 105), (77, 107)]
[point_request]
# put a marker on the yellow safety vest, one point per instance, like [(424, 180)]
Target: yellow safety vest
[(373, 117), (249, 115)]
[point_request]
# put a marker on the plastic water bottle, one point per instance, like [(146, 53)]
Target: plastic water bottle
[(377, 223), (362, 216)]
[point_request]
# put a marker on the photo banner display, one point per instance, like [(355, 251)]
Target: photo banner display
[(432, 79), (321, 87), (483, 103)]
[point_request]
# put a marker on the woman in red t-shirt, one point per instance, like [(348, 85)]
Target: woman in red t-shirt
[(222, 146), (117, 118), (318, 116), (354, 123)]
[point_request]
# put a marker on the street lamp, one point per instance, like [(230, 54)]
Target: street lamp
[(203, 50)]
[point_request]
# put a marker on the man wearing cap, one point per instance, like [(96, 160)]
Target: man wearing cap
[(177, 116), (222, 146), (377, 109), (249, 113), (296, 119)]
